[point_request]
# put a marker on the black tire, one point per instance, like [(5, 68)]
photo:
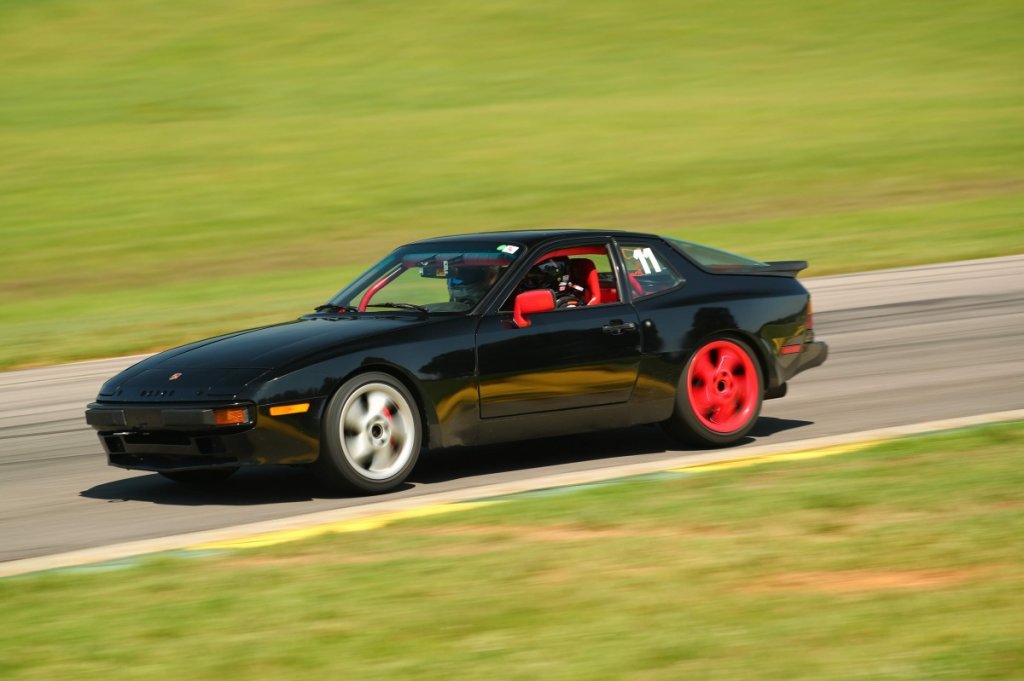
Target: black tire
[(371, 435), (735, 381), (202, 477)]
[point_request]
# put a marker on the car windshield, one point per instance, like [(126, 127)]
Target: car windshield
[(430, 278)]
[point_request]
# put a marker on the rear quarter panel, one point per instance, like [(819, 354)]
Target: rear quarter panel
[(763, 310)]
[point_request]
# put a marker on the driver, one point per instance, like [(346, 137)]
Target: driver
[(469, 284), (553, 274)]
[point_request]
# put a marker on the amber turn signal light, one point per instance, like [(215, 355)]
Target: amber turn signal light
[(285, 409), (231, 416)]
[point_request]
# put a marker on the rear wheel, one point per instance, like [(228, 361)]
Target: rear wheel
[(371, 435), (719, 396), (202, 477)]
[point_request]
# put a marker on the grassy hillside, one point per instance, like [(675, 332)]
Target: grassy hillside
[(897, 563), (169, 170)]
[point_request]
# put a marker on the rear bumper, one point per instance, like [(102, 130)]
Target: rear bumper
[(186, 437), (795, 359), (814, 354)]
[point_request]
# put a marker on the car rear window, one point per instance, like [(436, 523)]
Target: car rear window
[(648, 272), (714, 259)]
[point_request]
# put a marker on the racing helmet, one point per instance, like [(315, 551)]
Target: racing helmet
[(469, 284), (546, 274)]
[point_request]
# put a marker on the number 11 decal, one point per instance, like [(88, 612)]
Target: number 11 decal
[(645, 256)]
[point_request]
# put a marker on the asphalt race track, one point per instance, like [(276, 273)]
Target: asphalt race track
[(908, 345)]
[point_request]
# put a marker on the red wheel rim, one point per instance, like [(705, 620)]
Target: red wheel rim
[(722, 386)]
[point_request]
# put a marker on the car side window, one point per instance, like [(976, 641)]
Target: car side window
[(647, 271), (579, 276)]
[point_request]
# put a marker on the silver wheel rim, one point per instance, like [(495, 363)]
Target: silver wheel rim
[(377, 431)]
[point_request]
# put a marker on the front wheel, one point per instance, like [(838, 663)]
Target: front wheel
[(371, 435), (719, 395)]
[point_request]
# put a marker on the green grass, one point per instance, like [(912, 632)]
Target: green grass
[(899, 562), (161, 162)]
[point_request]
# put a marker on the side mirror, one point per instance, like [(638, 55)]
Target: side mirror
[(532, 302)]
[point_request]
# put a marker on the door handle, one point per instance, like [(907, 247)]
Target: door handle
[(617, 327)]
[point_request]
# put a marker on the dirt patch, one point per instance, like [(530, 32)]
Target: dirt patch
[(327, 559), (859, 581), (297, 561), (539, 533), (543, 533), (611, 572), (558, 533), (1007, 505), (568, 533)]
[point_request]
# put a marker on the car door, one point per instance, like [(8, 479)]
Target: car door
[(570, 358)]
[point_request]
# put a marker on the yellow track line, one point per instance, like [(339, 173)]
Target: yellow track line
[(772, 458), (377, 521), (352, 525)]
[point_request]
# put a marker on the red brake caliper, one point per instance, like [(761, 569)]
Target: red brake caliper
[(387, 415)]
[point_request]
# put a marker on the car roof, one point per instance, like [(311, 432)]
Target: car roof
[(530, 237)]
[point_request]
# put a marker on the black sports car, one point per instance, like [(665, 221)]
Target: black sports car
[(475, 339)]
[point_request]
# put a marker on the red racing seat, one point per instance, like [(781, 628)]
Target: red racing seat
[(583, 271)]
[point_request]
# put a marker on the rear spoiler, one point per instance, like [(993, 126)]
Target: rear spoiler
[(785, 268), (790, 267)]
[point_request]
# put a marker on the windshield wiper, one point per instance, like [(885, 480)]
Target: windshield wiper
[(402, 306), (331, 307)]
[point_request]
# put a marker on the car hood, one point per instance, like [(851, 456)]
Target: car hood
[(271, 346), (223, 365)]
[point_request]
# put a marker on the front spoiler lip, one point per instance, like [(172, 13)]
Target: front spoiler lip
[(158, 463)]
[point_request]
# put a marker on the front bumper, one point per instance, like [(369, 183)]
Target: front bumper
[(186, 436)]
